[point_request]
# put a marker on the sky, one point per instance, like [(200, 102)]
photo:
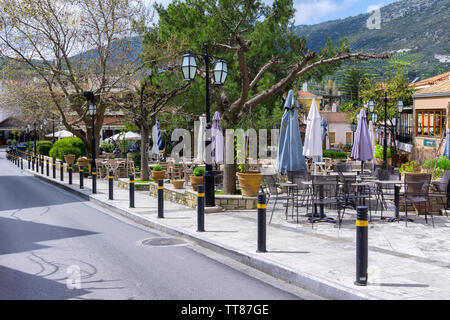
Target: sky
[(317, 11)]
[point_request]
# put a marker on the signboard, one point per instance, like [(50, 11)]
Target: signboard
[(429, 143)]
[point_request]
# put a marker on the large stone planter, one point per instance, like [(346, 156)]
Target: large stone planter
[(157, 175), (178, 184), (69, 159), (83, 162), (195, 181), (249, 183)]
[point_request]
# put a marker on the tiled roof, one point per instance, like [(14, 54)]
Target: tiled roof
[(442, 87), (334, 117), (432, 80), (305, 94)]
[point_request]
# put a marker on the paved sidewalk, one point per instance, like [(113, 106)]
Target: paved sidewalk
[(404, 262)]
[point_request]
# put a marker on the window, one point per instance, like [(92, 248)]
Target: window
[(430, 123), (349, 137), (332, 137)]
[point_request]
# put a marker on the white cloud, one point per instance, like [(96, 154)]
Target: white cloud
[(315, 11)]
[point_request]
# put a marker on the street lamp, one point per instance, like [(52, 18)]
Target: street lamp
[(35, 134), (92, 112), (189, 69), (374, 117)]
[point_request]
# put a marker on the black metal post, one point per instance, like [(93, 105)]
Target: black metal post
[(81, 177), (362, 227), (200, 208), (161, 198), (209, 173), (94, 180), (131, 190), (28, 157), (54, 168), (47, 168), (61, 171), (32, 162), (385, 166), (70, 174), (42, 165), (37, 163), (111, 184), (261, 205), (21, 163)]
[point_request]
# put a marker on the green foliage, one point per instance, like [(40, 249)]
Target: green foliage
[(137, 159), (68, 146), (158, 167), (379, 152), (43, 147), (11, 142), (411, 166), (198, 171), (30, 146), (335, 154), (107, 147), (442, 163)]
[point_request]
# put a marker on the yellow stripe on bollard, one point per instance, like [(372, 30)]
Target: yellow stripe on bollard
[(362, 223), (110, 177), (261, 205), (200, 194), (93, 173), (160, 188), (131, 181)]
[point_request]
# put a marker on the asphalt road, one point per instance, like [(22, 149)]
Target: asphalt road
[(54, 245)]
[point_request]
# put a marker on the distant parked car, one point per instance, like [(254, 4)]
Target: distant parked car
[(22, 146)]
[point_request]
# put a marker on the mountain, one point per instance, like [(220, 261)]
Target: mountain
[(415, 30)]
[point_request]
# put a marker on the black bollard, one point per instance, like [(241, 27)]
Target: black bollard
[(47, 168), (161, 198), (37, 163), (362, 226), (70, 173), (261, 207), (81, 177), (131, 190), (94, 180), (111, 184), (54, 168), (21, 163), (61, 171), (29, 164), (42, 165), (200, 208)]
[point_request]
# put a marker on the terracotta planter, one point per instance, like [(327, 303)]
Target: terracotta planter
[(156, 175), (249, 182), (178, 184), (195, 181), (69, 159), (83, 162)]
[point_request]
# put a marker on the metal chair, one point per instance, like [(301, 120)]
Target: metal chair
[(272, 193), (301, 190), (443, 189), (325, 191), (417, 193), (343, 167)]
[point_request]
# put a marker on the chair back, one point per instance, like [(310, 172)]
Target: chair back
[(328, 184), (298, 177), (343, 167), (417, 184), (271, 184), (444, 181)]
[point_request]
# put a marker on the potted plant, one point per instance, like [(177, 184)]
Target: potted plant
[(83, 162), (178, 183), (158, 173), (410, 167), (197, 177), (379, 155), (69, 158), (249, 181)]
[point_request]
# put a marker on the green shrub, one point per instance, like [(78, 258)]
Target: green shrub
[(411, 166), (11, 142), (379, 152), (68, 146), (30, 146), (107, 147), (158, 167), (199, 171), (43, 147), (137, 159), (335, 154)]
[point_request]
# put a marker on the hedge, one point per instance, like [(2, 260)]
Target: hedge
[(335, 154), (43, 147), (67, 146)]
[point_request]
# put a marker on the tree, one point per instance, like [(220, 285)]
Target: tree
[(264, 54), (72, 46), (396, 86)]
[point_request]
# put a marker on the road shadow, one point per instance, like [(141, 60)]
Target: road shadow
[(18, 285), (32, 232)]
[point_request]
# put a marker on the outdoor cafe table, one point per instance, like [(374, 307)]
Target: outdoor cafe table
[(397, 185), (321, 217)]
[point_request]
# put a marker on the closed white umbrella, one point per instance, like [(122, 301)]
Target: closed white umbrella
[(372, 138), (312, 146), (124, 136), (201, 140)]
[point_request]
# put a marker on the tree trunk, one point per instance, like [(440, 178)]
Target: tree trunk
[(145, 174), (229, 179)]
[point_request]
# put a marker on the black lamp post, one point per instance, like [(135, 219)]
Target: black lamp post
[(35, 135), (189, 69), (92, 112)]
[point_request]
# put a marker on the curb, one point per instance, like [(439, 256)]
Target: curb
[(316, 285)]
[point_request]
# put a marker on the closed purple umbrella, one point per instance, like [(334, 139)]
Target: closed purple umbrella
[(362, 146)]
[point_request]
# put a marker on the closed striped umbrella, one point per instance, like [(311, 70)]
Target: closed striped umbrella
[(156, 137)]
